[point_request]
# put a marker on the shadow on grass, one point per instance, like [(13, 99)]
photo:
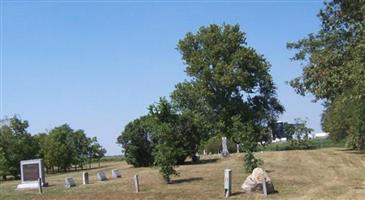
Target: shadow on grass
[(352, 151), (237, 193), (205, 161), (186, 180)]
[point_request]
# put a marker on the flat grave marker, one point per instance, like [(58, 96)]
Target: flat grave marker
[(100, 176), (116, 173), (69, 182)]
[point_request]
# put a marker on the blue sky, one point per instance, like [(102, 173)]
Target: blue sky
[(98, 65)]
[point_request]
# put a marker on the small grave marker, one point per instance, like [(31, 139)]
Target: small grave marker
[(264, 189), (225, 151), (40, 186), (85, 178), (136, 183), (227, 182), (69, 182), (101, 176), (116, 173)]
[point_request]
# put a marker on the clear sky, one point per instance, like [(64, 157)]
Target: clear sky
[(98, 65)]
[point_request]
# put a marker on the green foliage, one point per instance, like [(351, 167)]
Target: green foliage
[(137, 143), (166, 158), (316, 143), (214, 145), (334, 69), (63, 148), (250, 161), (174, 132), (230, 93), (345, 119), (231, 87), (60, 149), (299, 134), (16, 144)]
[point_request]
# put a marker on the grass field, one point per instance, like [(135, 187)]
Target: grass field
[(314, 174)]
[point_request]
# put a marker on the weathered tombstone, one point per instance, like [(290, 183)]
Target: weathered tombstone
[(101, 176), (225, 151), (69, 182), (238, 148), (30, 172), (116, 173), (136, 183), (85, 178), (227, 182)]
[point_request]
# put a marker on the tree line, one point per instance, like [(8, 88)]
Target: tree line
[(61, 148)]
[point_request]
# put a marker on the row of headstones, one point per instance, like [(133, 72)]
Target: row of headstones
[(100, 176)]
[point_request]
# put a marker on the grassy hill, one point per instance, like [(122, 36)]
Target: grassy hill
[(332, 173)]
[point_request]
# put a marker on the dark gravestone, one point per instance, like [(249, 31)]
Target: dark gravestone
[(30, 172)]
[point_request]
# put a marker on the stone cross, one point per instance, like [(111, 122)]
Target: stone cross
[(227, 182), (85, 178)]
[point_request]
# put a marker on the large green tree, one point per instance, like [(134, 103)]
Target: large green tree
[(334, 68), (230, 85), (16, 144)]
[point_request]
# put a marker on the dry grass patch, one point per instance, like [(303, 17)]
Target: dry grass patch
[(315, 174)]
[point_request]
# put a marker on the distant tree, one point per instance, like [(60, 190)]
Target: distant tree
[(96, 150), (16, 144), (299, 134), (60, 150), (82, 144), (136, 140), (230, 85)]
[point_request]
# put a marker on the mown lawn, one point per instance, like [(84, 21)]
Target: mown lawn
[(332, 173)]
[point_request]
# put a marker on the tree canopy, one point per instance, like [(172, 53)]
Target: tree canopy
[(334, 69)]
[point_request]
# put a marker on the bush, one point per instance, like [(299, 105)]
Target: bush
[(137, 143)]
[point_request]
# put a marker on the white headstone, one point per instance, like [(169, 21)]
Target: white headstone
[(69, 182), (116, 173), (30, 172), (101, 176), (227, 182), (85, 178), (225, 151)]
